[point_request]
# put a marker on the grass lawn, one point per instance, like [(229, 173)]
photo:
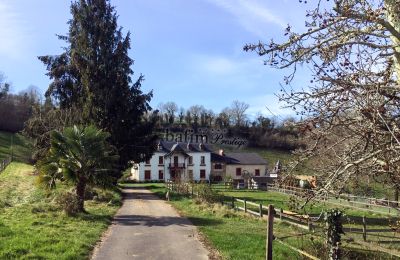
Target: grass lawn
[(32, 226), (20, 147), (239, 236)]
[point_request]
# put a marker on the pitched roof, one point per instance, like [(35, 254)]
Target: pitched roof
[(247, 158), (183, 147)]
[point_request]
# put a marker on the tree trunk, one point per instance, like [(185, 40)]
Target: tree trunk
[(80, 193), (393, 17)]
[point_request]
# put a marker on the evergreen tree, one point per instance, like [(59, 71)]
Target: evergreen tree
[(94, 74)]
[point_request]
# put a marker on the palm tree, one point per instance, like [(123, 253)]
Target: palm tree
[(80, 155)]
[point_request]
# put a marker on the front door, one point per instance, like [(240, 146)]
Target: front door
[(175, 160), (173, 174)]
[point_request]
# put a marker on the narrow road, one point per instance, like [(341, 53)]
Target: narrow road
[(146, 227)]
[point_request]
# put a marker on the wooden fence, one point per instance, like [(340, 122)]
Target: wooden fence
[(4, 163), (305, 222), (382, 206)]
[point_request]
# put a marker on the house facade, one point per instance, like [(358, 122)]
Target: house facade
[(197, 162), (184, 161), (237, 166)]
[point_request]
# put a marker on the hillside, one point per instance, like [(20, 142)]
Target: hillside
[(33, 226), (15, 144)]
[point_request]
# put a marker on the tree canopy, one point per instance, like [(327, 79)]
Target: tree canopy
[(80, 155), (93, 76), (351, 104)]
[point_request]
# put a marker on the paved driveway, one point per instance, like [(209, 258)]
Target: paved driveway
[(146, 227)]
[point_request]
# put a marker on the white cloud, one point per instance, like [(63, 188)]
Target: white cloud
[(13, 32), (224, 66), (252, 15), (269, 106)]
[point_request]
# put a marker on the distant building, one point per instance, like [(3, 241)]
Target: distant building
[(173, 160), (197, 162)]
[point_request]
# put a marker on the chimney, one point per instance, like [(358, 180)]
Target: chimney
[(221, 152)]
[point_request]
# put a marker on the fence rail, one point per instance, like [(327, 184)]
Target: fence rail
[(375, 205), (4, 163), (305, 222)]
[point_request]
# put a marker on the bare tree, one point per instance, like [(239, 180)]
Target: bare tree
[(171, 108), (238, 112), (4, 86), (181, 114), (195, 112), (224, 118), (351, 105)]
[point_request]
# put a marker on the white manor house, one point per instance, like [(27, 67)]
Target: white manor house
[(197, 162)]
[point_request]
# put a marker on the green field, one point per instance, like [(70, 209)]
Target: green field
[(33, 226), (238, 236), (16, 145)]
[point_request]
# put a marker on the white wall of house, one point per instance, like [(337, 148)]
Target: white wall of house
[(154, 167)]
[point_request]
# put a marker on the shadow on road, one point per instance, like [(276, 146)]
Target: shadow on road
[(134, 220)]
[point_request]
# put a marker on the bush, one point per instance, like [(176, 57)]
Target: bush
[(109, 196), (206, 194), (69, 203)]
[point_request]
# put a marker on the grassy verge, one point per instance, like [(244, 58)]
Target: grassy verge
[(239, 236), (14, 144), (32, 226)]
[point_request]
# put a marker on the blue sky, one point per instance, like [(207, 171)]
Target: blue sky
[(190, 52)]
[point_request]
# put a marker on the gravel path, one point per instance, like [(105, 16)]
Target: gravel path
[(146, 227)]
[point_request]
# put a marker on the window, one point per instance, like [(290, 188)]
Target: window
[(176, 160), (147, 175), (218, 166), (190, 172), (202, 174), (160, 160), (148, 161), (160, 175), (190, 159), (203, 160), (238, 171), (257, 172)]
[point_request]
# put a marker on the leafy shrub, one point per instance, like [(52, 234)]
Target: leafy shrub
[(109, 196), (206, 194), (69, 203)]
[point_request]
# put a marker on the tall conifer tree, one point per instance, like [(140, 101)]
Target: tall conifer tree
[(94, 75)]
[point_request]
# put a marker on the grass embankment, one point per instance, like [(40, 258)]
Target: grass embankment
[(16, 145), (239, 236), (33, 226)]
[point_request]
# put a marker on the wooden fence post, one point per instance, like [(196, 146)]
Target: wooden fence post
[(280, 213), (364, 228), (270, 232), (261, 213), (233, 202), (245, 206)]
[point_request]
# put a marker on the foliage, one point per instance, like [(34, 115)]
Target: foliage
[(69, 202), (43, 121), (94, 75), (351, 104), (333, 220), (16, 108), (80, 155), (207, 194)]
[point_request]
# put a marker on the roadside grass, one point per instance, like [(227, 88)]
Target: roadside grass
[(236, 235), (20, 148), (33, 226)]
